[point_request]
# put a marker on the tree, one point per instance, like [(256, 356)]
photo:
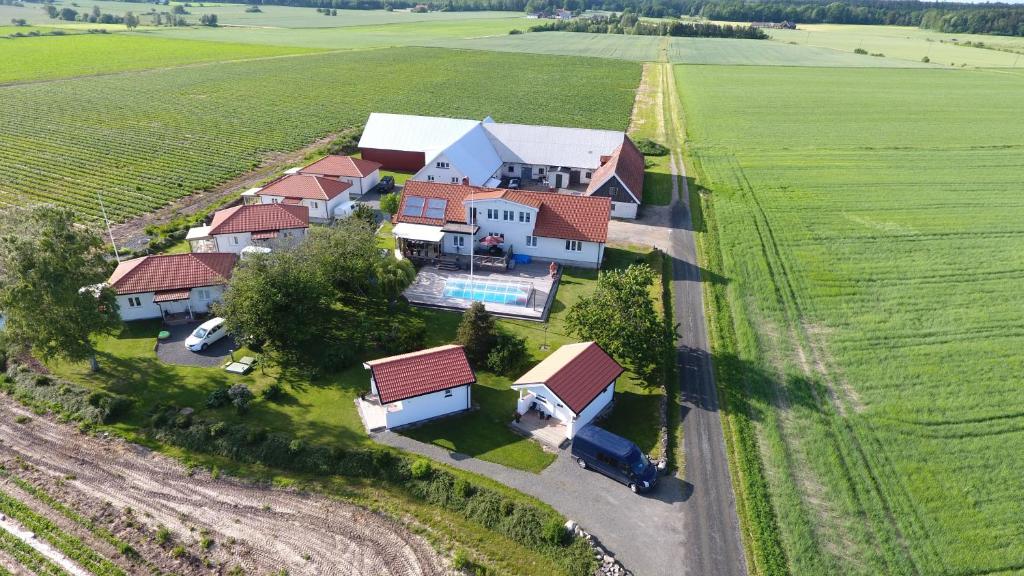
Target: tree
[(131, 21), (68, 14), (389, 203), (620, 317), (281, 302), (208, 20), (477, 333), (346, 254), (365, 214), (51, 271), (392, 276)]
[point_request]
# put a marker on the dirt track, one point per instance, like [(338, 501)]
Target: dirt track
[(263, 530)]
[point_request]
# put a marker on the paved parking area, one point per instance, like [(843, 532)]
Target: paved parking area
[(644, 532), (173, 351)]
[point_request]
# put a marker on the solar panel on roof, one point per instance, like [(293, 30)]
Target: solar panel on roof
[(413, 206), (435, 208)]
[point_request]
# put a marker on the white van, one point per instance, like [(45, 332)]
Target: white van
[(207, 333)]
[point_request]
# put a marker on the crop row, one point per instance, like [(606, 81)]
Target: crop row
[(70, 545), (144, 139), (28, 557)]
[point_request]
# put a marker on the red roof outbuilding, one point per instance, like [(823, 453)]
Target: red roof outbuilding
[(626, 164), (422, 372), (576, 373), (304, 186), (336, 165), (172, 272)]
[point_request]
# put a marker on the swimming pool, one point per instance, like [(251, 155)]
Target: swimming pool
[(496, 291)]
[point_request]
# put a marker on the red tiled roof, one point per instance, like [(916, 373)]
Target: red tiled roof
[(423, 372), (172, 272), (336, 165), (576, 373), (559, 215), (627, 164), (305, 186), (259, 218)]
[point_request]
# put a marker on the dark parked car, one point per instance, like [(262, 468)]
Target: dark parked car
[(386, 184), (615, 457), (514, 183)]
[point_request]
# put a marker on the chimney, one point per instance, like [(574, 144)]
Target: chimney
[(465, 180), (605, 159)]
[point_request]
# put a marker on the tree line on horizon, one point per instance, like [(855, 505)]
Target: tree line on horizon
[(630, 23)]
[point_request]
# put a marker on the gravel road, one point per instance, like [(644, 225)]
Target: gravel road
[(277, 529)]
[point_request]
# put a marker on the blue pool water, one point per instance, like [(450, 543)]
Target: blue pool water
[(515, 294)]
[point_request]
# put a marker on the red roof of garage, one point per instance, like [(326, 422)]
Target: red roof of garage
[(576, 373), (422, 372), (337, 165), (304, 186)]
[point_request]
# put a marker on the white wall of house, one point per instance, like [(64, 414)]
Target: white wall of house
[(623, 210), (588, 255), (362, 185), (442, 170), (235, 243), (592, 410), (547, 402), (200, 300), (428, 406), (500, 217), (318, 209)]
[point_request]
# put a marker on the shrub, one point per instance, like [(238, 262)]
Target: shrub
[(273, 392), (477, 333), (485, 507), (524, 525), (400, 336), (515, 31), (651, 148), (508, 354), (926, 59), (554, 532), (72, 401), (218, 398), (421, 469), (240, 396), (860, 51)]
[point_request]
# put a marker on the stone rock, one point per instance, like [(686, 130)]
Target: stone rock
[(571, 526), (608, 559), (186, 411)]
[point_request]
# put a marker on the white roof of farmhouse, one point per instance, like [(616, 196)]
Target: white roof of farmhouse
[(473, 154), (551, 145), (413, 133)]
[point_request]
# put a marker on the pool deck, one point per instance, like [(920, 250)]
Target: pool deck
[(428, 290)]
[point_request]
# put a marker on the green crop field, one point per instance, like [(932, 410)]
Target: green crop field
[(143, 139), (764, 53), (866, 255), (910, 44), (49, 57)]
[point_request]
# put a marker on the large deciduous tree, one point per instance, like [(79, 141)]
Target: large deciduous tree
[(51, 274), (620, 316)]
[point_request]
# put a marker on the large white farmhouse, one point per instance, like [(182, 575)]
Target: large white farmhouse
[(448, 222), (169, 285), (603, 163)]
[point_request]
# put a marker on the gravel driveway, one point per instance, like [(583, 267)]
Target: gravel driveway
[(173, 351), (644, 532)]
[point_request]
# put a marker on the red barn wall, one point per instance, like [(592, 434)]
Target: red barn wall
[(397, 160)]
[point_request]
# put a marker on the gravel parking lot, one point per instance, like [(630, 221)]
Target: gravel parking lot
[(173, 351)]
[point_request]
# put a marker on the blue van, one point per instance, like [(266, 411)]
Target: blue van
[(615, 457)]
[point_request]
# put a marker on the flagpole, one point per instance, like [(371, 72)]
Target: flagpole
[(110, 233)]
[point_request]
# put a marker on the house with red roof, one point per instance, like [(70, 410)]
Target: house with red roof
[(263, 225), (417, 386), (572, 386), (437, 221), (325, 198), (363, 175), (172, 284)]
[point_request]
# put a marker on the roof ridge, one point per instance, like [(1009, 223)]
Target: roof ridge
[(413, 354)]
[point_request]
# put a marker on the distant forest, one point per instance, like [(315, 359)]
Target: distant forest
[(955, 17), (629, 23)]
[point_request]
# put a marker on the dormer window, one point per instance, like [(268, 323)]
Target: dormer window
[(442, 165)]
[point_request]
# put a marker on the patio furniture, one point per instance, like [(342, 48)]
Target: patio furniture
[(242, 366)]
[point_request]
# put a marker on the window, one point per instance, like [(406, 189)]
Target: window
[(511, 169), (316, 204), (498, 234), (204, 293), (531, 241), (448, 393), (541, 170), (234, 240), (492, 213), (275, 200), (455, 179), (574, 246), (509, 215), (430, 177), (587, 176), (459, 241), (525, 216), (443, 165), (134, 302)]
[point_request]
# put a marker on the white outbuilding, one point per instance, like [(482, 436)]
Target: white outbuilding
[(416, 386)]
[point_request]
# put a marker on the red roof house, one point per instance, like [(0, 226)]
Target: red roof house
[(321, 195), (362, 174), (621, 178), (157, 286), (417, 386), (574, 384)]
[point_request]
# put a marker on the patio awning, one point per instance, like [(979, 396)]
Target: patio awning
[(456, 228), (420, 232), (171, 295)]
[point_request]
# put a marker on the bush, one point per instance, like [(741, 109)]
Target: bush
[(218, 398), (554, 532), (240, 396), (508, 354), (273, 392), (651, 148), (70, 400), (477, 333), (515, 31), (860, 51), (524, 525), (401, 335), (421, 469)]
